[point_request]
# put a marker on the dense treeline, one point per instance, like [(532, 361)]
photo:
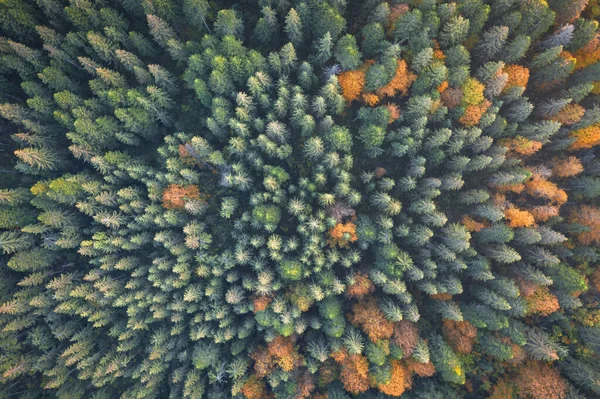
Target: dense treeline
[(294, 199)]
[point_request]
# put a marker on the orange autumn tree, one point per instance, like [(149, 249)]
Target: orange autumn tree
[(544, 212), (567, 167), (588, 54), (355, 374), (175, 196), (569, 114), (418, 368), (254, 388), (471, 224), (539, 299), (406, 336), (400, 83), (537, 380), (589, 217), (361, 286), (284, 354), (263, 362), (517, 76), (371, 319), (280, 352), (460, 335), (399, 381), (519, 218), (587, 137), (370, 99), (521, 146), (539, 187), (352, 83), (542, 302), (473, 113), (394, 112), (261, 303), (343, 234)]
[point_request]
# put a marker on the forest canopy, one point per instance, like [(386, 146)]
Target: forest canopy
[(287, 199)]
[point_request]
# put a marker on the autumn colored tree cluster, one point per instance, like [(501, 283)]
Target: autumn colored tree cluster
[(300, 199)]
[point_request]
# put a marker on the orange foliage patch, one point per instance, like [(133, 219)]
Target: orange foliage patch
[(588, 54), (567, 167), (360, 287), (517, 76), (542, 302), (586, 137), (370, 99), (282, 349), (352, 83), (279, 352), (355, 374), (263, 362), (371, 319), (569, 115), (406, 336), (442, 87), (398, 383), (174, 196), (460, 335), (537, 380), (394, 112), (544, 212), (255, 389), (521, 145), (519, 218), (342, 234), (588, 216), (400, 83), (339, 355), (539, 187), (503, 390), (261, 303), (473, 113), (420, 369)]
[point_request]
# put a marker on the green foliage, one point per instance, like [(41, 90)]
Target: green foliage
[(266, 214), (272, 199), (346, 52)]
